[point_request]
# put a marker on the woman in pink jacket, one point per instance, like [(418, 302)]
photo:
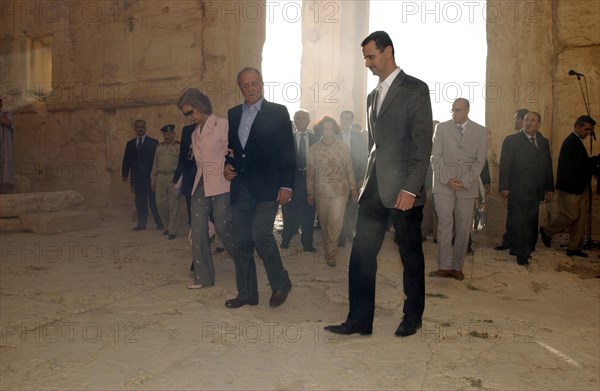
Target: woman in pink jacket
[(210, 192)]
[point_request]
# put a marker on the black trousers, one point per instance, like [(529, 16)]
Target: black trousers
[(298, 213), (144, 196), (371, 226), (253, 229), (524, 215)]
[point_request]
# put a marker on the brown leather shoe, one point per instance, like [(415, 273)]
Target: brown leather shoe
[(442, 273), (458, 274)]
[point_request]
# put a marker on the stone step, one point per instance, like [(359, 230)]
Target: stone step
[(18, 204), (57, 222)]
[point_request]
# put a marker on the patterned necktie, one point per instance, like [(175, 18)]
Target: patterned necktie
[(302, 153), (139, 143), (532, 139), (461, 131)]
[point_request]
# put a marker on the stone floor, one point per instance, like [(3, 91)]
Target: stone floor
[(107, 309)]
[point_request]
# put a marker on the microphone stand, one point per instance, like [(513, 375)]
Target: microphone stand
[(588, 243)]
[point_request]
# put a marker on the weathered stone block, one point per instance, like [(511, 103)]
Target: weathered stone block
[(10, 225), (56, 222), (15, 205), (23, 184)]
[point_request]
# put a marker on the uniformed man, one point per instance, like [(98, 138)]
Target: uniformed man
[(167, 193)]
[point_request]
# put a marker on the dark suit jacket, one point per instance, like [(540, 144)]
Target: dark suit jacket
[(526, 171), (574, 166), (140, 165), (268, 162), (401, 134), (312, 138), (186, 166)]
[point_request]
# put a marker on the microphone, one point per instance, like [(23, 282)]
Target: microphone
[(593, 134), (573, 73)]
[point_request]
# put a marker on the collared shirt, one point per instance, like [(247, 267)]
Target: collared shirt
[(463, 125), (346, 137), (248, 116), (384, 86), (529, 137), (140, 140), (583, 142)]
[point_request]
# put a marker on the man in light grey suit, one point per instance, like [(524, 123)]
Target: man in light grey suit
[(457, 157), (400, 133)]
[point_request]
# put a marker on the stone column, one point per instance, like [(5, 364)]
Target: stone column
[(333, 75)]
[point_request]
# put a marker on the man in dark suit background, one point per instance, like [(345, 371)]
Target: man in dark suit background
[(573, 176), (138, 159), (262, 169), (358, 154), (298, 213), (525, 179), (518, 119), (399, 123), (186, 167)]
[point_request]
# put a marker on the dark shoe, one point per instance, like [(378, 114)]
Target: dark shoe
[(501, 247), (442, 273), (310, 249), (165, 232), (349, 327), (237, 302), (458, 274), (160, 227), (138, 228), (470, 250), (171, 237), (545, 238), (408, 327), (522, 261), (284, 245), (577, 253), (218, 250), (280, 295)]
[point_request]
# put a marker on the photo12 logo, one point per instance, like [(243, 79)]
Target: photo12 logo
[(83, 11)]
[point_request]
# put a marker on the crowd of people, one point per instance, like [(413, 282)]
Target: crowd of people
[(236, 173)]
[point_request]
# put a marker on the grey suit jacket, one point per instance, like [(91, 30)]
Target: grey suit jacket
[(400, 140), (461, 158)]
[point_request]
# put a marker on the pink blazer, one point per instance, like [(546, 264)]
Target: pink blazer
[(210, 147)]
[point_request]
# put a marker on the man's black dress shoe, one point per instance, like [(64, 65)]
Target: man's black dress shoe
[(166, 232), (576, 253), (515, 254), (138, 228), (284, 245), (237, 302), (523, 261), (280, 295), (545, 238), (408, 327), (501, 247), (349, 327), (310, 249)]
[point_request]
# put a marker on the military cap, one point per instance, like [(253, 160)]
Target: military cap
[(168, 128)]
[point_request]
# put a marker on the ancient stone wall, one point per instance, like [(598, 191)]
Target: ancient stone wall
[(109, 63)]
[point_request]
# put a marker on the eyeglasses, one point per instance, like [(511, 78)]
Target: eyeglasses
[(455, 111), (188, 113)]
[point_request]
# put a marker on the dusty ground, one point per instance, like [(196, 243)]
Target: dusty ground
[(107, 309)]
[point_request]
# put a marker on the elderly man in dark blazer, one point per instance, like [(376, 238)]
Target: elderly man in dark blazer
[(525, 179), (399, 123), (138, 159), (573, 176), (262, 167)]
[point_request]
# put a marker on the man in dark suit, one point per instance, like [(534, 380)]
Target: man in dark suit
[(399, 123), (299, 213), (525, 179), (358, 154), (518, 119), (262, 169), (186, 167), (138, 159), (573, 176)]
